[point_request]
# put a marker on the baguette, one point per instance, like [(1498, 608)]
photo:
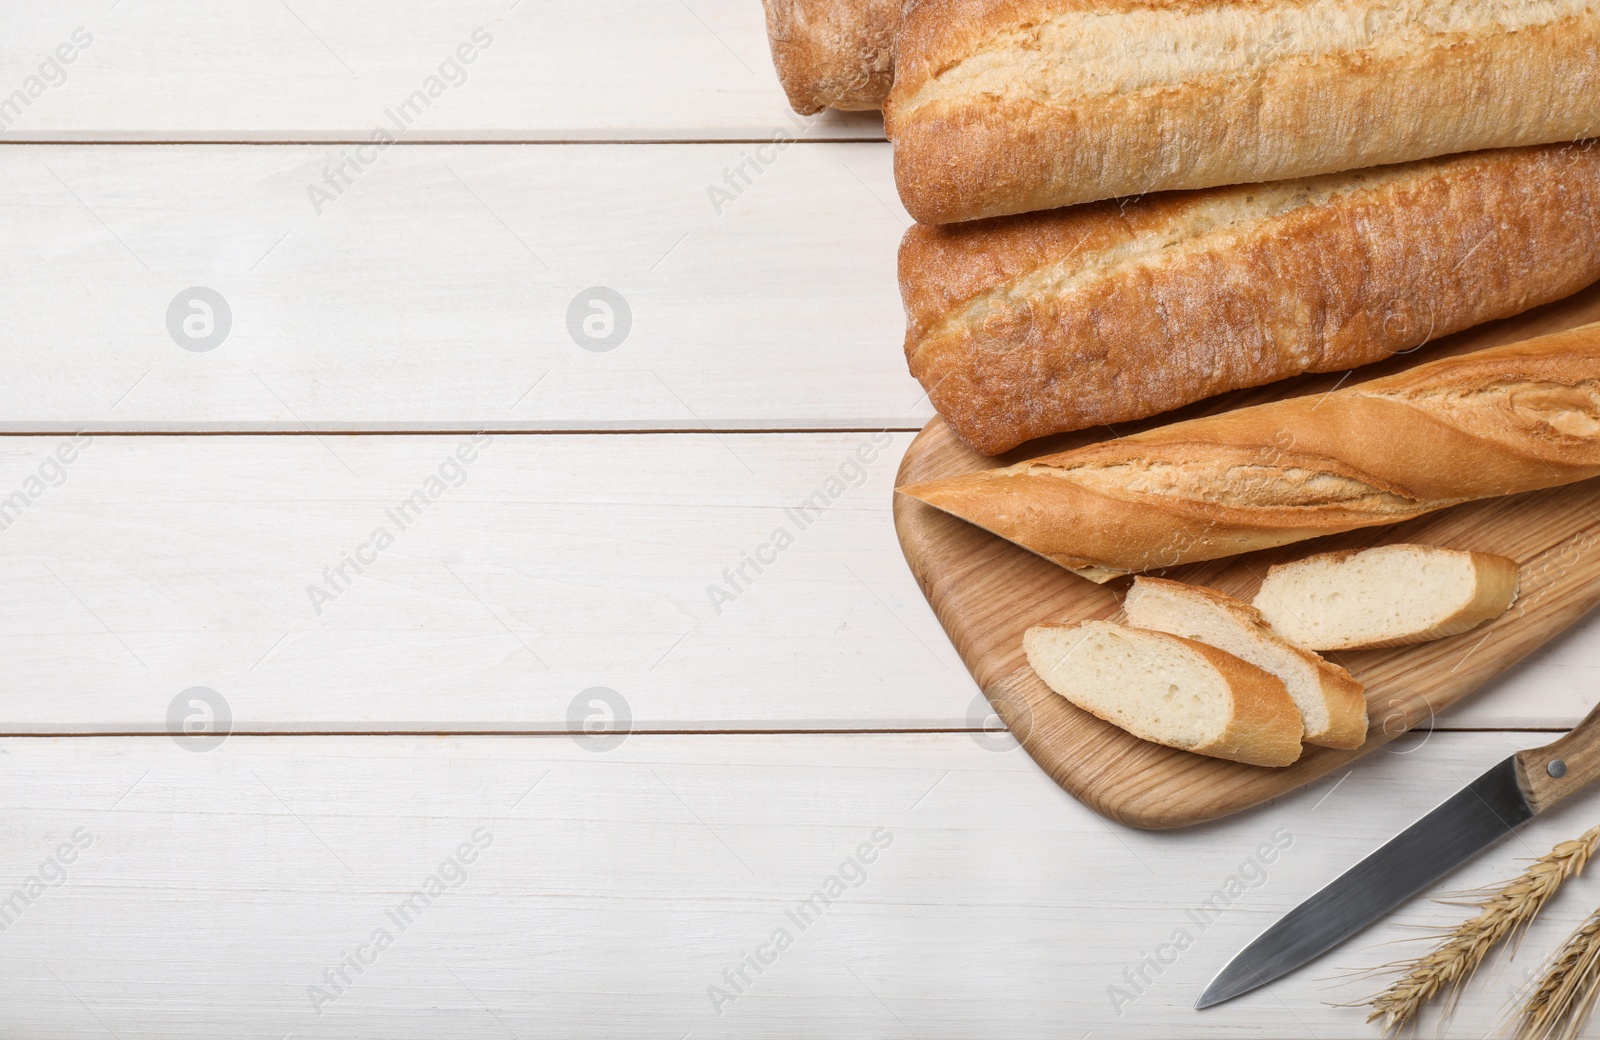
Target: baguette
[(1494, 422), (1328, 697), (1391, 595), (833, 53), (1007, 106), (1169, 690), (1024, 326)]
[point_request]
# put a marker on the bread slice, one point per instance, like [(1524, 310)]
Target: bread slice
[(1391, 595), (1328, 697), (1169, 690)]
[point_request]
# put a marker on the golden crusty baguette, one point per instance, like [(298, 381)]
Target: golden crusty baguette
[(1024, 326), (1007, 106), (833, 53), (1493, 422)]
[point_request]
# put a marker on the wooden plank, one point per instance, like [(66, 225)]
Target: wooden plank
[(543, 567), (987, 592), (561, 563), (322, 70), (445, 288), (607, 892)]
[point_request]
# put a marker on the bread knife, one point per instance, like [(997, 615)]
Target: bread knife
[(1479, 815)]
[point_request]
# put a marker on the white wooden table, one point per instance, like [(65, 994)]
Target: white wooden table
[(191, 522)]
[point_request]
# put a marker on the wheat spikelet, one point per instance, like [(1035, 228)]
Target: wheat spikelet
[(1562, 1002), (1502, 913)]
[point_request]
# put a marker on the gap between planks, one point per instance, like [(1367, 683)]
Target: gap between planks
[(411, 142), (729, 728), (57, 429)]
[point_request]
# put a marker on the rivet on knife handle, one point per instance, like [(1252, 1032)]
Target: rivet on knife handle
[(1549, 775)]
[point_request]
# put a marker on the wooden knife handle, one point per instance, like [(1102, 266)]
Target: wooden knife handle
[(1553, 773)]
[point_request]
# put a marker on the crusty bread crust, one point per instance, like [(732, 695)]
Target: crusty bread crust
[(1495, 422), (1019, 327), (833, 53), (1007, 106), (1263, 727), (1499, 582), (1342, 695)]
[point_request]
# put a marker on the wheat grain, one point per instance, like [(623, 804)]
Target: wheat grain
[(1562, 1002), (1503, 913)]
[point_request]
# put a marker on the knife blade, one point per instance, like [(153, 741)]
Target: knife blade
[(1468, 822)]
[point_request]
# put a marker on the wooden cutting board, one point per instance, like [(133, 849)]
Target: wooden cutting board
[(987, 592)]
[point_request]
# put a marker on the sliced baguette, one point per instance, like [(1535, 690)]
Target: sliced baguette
[(1169, 690), (1329, 698), (1391, 595)]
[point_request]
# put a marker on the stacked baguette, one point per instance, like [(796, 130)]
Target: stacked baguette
[(1301, 226), (1326, 200), (1127, 206)]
